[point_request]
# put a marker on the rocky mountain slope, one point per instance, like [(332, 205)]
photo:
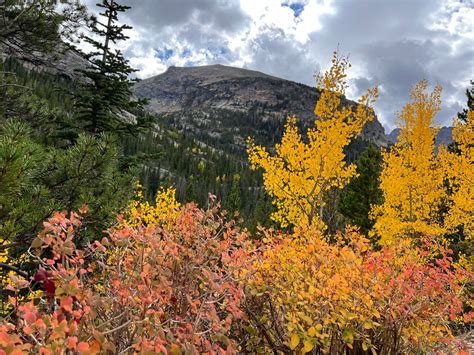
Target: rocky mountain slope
[(224, 105), (444, 136)]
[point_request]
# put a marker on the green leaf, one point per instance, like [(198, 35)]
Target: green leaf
[(250, 330), (347, 336)]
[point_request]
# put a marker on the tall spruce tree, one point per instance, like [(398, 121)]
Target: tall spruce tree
[(234, 202), (363, 191), (462, 116), (104, 102)]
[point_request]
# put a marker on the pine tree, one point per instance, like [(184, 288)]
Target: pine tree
[(103, 102), (363, 191), (234, 203), (36, 180), (39, 173), (463, 115), (20, 102), (21, 160)]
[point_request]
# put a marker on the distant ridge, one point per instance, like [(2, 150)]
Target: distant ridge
[(444, 136), (216, 72), (228, 104)]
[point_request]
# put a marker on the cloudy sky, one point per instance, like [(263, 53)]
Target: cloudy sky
[(392, 43)]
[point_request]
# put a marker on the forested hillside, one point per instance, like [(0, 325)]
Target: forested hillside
[(218, 210), (195, 155)]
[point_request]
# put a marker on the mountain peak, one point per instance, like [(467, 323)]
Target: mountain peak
[(208, 74), (443, 137), (228, 103)]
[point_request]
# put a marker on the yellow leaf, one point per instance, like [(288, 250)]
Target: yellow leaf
[(308, 346), (294, 341), (312, 331), (367, 325)]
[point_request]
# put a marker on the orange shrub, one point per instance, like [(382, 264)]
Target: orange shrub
[(144, 289), (195, 283), (309, 295)]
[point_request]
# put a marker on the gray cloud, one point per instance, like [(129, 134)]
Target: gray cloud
[(276, 54), (395, 44), (155, 15), (391, 43)]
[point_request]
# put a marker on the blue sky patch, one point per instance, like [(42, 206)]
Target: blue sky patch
[(186, 53), (190, 63), (164, 53), (297, 7), (219, 53)]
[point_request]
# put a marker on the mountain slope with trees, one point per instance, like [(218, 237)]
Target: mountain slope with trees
[(223, 105)]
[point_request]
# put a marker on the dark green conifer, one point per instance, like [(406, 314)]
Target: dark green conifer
[(104, 102), (234, 203), (363, 191)]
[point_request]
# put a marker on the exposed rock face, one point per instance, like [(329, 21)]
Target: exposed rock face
[(392, 137), (64, 61), (226, 103), (444, 136)]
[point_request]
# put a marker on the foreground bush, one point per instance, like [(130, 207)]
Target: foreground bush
[(171, 279), (308, 295), (144, 289)]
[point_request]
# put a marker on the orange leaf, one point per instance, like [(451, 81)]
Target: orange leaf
[(71, 342), (83, 347), (66, 303)]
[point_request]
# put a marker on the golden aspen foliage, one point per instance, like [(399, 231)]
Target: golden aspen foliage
[(9, 278), (141, 212), (460, 172), (301, 171), (412, 177)]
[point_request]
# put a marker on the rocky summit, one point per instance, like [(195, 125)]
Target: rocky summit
[(226, 104), (444, 136)]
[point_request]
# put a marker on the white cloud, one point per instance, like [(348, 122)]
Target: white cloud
[(391, 43)]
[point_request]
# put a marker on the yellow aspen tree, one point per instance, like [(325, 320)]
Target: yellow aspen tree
[(302, 170), (460, 172), (412, 176)]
